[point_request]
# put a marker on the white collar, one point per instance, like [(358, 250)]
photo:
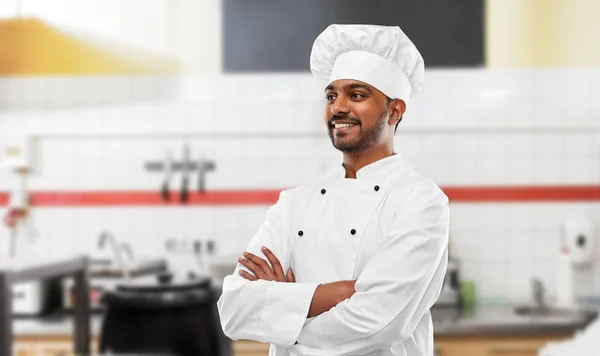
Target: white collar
[(379, 169)]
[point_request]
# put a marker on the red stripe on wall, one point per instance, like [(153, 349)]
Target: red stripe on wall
[(146, 198), (523, 194), (465, 194)]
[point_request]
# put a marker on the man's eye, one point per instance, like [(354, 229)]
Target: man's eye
[(357, 95), (330, 97)]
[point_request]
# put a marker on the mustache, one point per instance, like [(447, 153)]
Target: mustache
[(334, 118)]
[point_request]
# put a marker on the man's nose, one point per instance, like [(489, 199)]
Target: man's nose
[(340, 106)]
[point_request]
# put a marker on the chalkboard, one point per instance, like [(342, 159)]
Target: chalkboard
[(277, 35)]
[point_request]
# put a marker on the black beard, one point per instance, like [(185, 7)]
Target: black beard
[(366, 138)]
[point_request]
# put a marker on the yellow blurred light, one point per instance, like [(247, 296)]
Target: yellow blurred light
[(31, 47)]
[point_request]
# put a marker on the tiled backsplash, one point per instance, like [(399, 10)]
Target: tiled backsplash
[(467, 127)]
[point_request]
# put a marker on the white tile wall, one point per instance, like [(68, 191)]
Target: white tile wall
[(467, 127)]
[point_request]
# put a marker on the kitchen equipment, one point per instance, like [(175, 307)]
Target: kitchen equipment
[(17, 216), (45, 269), (164, 193), (565, 287), (577, 238), (467, 294), (30, 298), (166, 314), (96, 288), (105, 275), (202, 268), (108, 237), (185, 180), (538, 293), (450, 293)]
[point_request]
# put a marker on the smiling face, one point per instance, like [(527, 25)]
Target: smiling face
[(357, 116)]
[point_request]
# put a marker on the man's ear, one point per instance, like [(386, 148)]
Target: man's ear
[(397, 109)]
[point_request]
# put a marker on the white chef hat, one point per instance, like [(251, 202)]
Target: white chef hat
[(381, 56)]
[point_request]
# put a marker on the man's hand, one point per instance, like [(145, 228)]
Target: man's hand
[(261, 269)]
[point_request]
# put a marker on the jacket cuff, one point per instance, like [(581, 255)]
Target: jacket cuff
[(285, 309), (312, 334)]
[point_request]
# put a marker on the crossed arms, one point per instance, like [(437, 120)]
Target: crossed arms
[(378, 310), (326, 296)]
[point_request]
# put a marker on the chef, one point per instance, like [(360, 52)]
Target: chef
[(352, 264)]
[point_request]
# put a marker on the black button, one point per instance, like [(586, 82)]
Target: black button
[(353, 231), (581, 241), (376, 188), (300, 233), (323, 191)]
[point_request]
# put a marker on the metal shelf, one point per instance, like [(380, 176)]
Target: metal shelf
[(77, 268)]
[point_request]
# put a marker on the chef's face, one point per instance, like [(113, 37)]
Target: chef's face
[(356, 115)]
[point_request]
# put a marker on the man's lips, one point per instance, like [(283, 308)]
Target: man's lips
[(343, 128), (341, 123)]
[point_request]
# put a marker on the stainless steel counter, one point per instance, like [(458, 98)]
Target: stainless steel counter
[(485, 320), (502, 320), (56, 325)]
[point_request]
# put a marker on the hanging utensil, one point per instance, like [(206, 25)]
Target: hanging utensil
[(184, 193), (204, 166), (164, 193), (201, 184)]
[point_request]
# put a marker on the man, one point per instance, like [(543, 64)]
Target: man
[(350, 265)]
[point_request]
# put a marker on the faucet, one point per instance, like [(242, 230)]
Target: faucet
[(105, 237), (538, 293), (126, 247)]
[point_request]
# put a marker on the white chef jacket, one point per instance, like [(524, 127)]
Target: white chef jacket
[(387, 229)]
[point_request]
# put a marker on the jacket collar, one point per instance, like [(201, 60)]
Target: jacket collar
[(377, 170)]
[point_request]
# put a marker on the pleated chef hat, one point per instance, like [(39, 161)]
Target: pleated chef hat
[(381, 56)]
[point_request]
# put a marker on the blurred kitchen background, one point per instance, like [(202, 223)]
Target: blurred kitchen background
[(99, 98)]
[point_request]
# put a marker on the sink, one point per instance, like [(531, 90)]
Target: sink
[(547, 312), (106, 268)]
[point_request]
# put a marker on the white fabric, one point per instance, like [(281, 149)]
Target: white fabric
[(374, 70), (398, 256), (395, 66), (584, 343)]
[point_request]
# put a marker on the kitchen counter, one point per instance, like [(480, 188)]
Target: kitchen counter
[(502, 321), (52, 325), (484, 320)]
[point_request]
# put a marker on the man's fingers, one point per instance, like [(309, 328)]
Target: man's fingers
[(258, 272), (267, 271), (290, 276), (277, 269), (248, 276)]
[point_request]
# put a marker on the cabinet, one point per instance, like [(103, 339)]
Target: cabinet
[(444, 345), (448, 345), (493, 345), (41, 345), (250, 348)]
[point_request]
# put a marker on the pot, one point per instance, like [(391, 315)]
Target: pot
[(166, 314)]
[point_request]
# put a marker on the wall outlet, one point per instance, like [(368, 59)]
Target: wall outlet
[(180, 246), (171, 245)]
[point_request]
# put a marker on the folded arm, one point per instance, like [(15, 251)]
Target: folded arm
[(396, 288), (266, 311)]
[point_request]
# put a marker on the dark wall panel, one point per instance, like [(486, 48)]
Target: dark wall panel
[(277, 35)]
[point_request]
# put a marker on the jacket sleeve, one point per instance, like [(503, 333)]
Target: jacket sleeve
[(397, 287), (266, 311)]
